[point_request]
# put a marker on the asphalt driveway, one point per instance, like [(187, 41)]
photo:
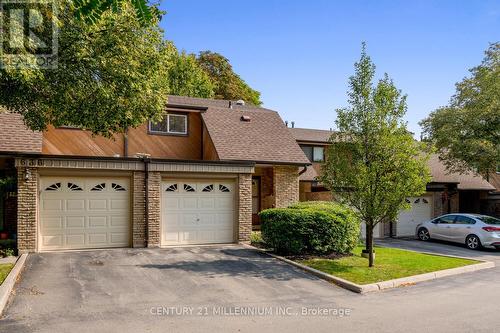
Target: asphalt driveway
[(205, 289)]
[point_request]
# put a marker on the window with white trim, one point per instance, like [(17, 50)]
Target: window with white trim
[(172, 123)]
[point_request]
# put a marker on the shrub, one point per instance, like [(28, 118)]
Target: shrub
[(7, 247), (256, 237), (310, 227)]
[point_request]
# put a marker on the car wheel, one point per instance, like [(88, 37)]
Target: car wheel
[(472, 242), (423, 234)]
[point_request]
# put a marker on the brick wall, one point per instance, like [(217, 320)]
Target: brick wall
[(138, 219), (27, 210), (286, 185), (154, 190), (244, 207)]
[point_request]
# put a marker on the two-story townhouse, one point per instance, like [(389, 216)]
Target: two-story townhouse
[(198, 176), (446, 193)]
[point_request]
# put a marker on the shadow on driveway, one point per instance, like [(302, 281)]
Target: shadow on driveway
[(233, 263)]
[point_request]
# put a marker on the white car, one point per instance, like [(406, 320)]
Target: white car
[(473, 230)]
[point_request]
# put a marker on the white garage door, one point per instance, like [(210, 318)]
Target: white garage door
[(419, 212), (79, 213), (197, 212)]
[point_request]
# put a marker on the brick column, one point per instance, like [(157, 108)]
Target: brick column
[(286, 185), (138, 205), (244, 207), (27, 210), (154, 189)]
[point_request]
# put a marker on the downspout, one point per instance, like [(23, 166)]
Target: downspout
[(303, 170)]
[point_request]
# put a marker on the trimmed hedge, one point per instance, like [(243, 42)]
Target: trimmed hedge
[(310, 227)]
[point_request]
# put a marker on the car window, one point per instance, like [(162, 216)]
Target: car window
[(488, 219), (464, 220), (448, 219)]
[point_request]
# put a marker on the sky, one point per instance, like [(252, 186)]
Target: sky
[(299, 54)]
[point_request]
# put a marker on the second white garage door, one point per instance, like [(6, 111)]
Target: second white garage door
[(419, 212), (197, 212)]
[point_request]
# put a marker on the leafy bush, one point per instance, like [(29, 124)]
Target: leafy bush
[(310, 227), (7, 247), (256, 237)]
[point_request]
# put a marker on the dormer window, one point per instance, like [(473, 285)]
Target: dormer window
[(171, 124)]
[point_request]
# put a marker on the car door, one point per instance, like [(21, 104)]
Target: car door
[(443, 229), (461, 228)]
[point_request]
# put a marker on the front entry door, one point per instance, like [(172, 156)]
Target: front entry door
[(255, 200)]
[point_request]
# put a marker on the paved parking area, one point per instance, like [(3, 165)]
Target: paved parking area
[(155, 290)]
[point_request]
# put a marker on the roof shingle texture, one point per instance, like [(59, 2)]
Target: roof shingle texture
[(467, 181), (16, 137), (264, 138), (311, 135)]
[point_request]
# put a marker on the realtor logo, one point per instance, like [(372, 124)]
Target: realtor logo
[(28, 34)]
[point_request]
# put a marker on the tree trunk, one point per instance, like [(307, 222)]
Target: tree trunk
[(369, 243)]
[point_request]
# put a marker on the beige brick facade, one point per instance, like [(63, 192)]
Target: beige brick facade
[(154, 193), (138, 218), (27, 185), (286, 185), (244, 207)]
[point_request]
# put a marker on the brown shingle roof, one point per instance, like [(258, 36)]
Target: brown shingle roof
[(310, 175), (207, 102), (311, 135), (16, 137), (467, 181), (264, 138)]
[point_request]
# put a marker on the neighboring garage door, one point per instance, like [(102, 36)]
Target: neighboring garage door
[(419, 212), (84, 212), (197, 212)]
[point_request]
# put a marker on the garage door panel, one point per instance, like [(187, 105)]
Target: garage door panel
[(206, 219), (75, 205), (224, 203), (98, 222), (54, 222), (98, 204), (84, 213), (75, 240), (189, 203), (206, 203), (98, 238), (197, 212), (75, 222), (52, 241), (118, 204), (119, 221), (54, 204), (118, 237)]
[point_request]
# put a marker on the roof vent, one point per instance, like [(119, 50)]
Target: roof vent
[(240, 102), (245, 118)]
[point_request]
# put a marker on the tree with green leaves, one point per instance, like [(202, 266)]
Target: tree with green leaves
[(186, 77), (467, 131), (92, 10), (110, 76), (374, 163), (228, 84)]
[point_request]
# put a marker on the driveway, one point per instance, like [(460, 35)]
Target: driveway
[(155, 290)]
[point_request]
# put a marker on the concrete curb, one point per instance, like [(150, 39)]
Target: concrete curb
[(9, 282), (378, 286)]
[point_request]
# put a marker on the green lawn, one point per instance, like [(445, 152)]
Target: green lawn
[(4, 271), (389, 264)]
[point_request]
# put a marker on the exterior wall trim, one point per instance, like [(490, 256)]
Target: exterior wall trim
[(155, 166)]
